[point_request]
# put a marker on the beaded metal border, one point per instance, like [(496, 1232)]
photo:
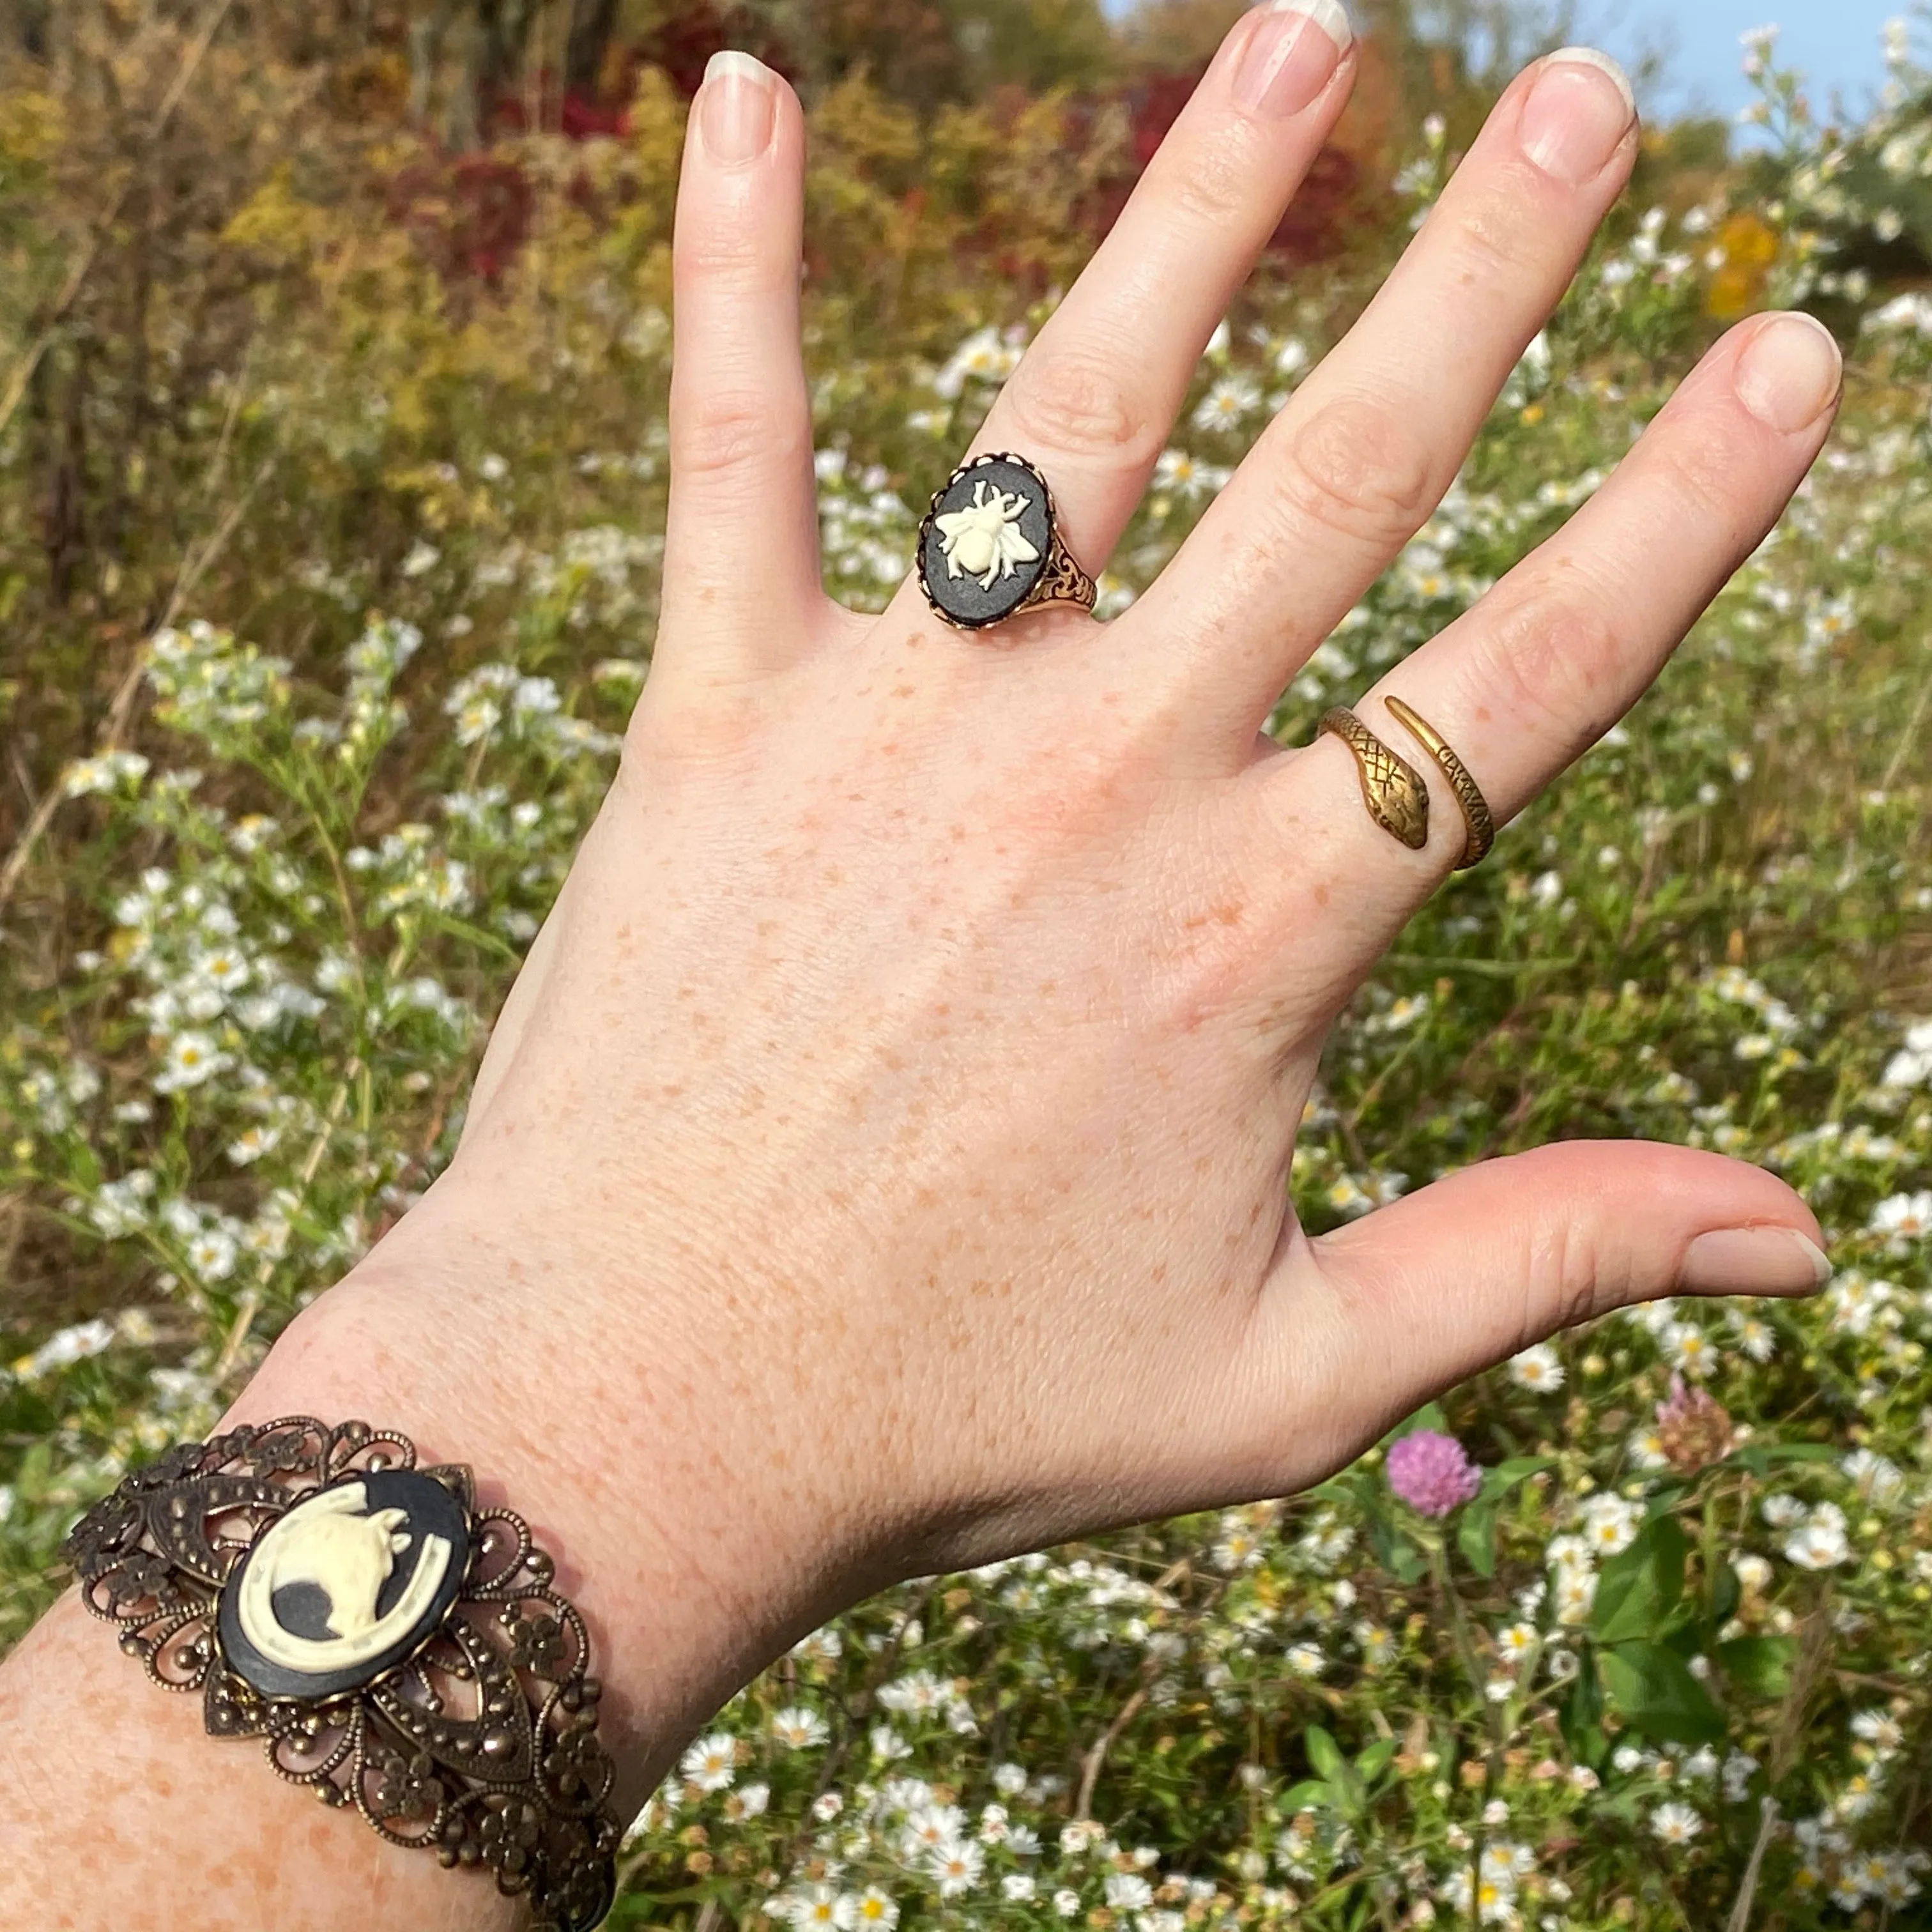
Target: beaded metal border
[(514, 1781)]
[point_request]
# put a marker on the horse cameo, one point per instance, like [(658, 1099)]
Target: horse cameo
[(345, 1585)]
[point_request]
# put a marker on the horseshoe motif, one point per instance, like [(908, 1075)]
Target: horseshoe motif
[(329, 1540)]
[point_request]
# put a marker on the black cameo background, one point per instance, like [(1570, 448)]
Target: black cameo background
[(961, 599), (303, 1608)]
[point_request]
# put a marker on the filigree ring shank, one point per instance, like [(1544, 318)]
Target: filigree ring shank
[(990, 546), (1393, 789), (1482, 824), (394, 1647)]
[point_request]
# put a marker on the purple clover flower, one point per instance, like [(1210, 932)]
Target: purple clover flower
[(1432, 1472)]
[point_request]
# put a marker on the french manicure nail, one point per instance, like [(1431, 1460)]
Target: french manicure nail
[(1577, 115), (739, 105), (1292, 53), (1753, 1261), (1790, 372)]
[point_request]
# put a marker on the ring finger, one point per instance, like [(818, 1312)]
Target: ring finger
[(1094, 396)]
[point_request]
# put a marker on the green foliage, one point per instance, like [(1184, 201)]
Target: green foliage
[(322, 741)]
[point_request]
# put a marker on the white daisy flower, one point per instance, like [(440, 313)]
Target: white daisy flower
[(799, 1727), (1228, 404), (1675, 1824), (1610, 1524), (1537, 1369), (711, 1763), (1820, 1543), (1515, 1642), (958, 1865), (1902, 1218)]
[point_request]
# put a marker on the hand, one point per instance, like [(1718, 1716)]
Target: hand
[(880, 1164)]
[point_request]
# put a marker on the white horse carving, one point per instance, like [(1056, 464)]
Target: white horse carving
[(333, 1540), (349, 1557)]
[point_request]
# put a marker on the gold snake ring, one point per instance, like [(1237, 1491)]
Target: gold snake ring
[(1393, 789), (1482, 824)]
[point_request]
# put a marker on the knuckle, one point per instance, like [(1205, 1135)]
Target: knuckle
[(728, 432), (1559, 1281), (1488, 242), (724, 254), (1550, 664), (1569, 1273), (1076, 404), (1704, 475), (1217, 186), (721, 434), (1354, 470)]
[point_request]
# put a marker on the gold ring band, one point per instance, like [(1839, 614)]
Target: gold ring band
[(1476, 812), (1063, 581), (1392, 788)]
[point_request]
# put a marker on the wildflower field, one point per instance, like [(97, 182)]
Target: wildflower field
[(1634, 1631)]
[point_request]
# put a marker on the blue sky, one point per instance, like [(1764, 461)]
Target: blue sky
[(1835, 43)]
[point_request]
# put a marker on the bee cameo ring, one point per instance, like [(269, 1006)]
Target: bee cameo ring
[(990, 546)]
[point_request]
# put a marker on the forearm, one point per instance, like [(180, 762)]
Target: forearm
[(116, 1808)]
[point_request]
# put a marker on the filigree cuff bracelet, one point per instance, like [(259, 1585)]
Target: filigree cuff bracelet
[(395, 1647)]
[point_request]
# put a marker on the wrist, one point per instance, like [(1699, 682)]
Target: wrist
[(694, 1557)]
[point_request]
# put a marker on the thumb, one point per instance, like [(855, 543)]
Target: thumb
[(1391, 1310)]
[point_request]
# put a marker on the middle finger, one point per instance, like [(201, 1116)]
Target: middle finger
[(1361, 456), (1093, 399)]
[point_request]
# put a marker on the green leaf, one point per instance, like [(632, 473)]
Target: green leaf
[(1375, 1760), (1323, 1752), (1429, 1416), (1582, 1715), (1638, 1588), (1498, 1481), (1761, 1665), (1396, 1551), (1652, 1688), (1760, 1457), (1476, 1533), (1726, 1592), (1310, 1793), (1476, 1538), (1346, 1791)]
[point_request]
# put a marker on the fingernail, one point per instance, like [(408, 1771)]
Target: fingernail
[(740, 103), (1292, 55), (1790, 373), (1577, 115), (1753, 1261)]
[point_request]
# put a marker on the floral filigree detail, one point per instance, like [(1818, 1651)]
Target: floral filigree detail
[(537, 1644), (481, 1744)]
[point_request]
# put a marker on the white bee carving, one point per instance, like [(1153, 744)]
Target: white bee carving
[(983, 540)]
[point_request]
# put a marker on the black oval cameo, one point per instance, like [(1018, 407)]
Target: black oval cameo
[(986, 541), (344, 1584)]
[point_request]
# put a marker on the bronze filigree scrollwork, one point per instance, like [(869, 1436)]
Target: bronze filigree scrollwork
[(394, 1648)]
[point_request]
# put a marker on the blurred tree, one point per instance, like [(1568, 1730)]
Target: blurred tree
[(933, 53)]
